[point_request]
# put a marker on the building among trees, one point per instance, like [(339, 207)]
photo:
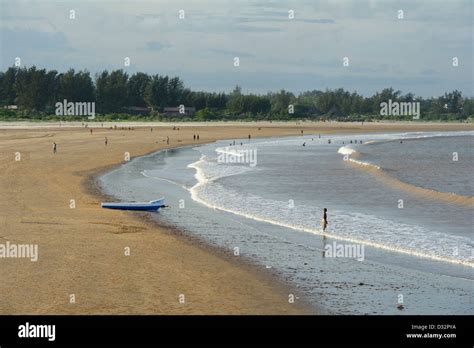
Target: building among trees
[(185, 111)]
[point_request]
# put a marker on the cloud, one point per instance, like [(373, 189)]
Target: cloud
[(156, 46), (430, 72), (280, 18), (318, 21), (301, 53), (30, 40), (254, 29), (231, 53)]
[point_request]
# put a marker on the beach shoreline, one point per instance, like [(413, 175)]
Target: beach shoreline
[(169, 263), (91, 185)]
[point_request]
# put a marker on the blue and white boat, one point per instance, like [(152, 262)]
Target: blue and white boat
[(144, 206)]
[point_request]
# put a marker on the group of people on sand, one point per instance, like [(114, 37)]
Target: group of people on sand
[(195, 136)]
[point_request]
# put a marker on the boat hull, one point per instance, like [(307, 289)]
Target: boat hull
[(150, 206)]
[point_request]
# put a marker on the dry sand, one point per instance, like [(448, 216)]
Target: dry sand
[(81, 249)]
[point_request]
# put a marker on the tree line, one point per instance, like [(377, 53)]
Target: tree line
[(36, 91)]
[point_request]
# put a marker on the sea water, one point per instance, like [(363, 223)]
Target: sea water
[(417, 249)]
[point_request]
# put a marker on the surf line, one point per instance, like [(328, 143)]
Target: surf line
[(203, 180), (411, 252)]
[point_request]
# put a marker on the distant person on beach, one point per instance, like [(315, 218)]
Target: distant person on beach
[(167, 140), (198, 137), (91, 130), (54, 147), (194, 137), (329, 141), (151, 129), (106, 141), (324, 222), (301, 132)]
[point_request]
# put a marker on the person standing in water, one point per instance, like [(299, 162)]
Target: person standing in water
[(324, 221)]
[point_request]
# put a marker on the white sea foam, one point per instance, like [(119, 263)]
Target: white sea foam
[(229, 151), (355, 228), (347, 151)]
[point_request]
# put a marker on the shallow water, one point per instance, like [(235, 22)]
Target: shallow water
[(271, 212)]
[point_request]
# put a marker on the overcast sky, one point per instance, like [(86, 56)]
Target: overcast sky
[(413, 54)]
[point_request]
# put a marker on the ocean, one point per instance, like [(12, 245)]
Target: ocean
[(400, 210)]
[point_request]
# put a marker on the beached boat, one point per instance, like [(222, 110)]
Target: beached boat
[(146, 206)]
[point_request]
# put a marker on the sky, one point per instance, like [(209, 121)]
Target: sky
[(413, 54)]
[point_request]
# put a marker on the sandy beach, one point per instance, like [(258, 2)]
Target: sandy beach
[(51, 200)]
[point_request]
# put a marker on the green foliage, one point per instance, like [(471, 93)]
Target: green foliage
[(111, 95), (36, 91), (136, 89), (206, 115)]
